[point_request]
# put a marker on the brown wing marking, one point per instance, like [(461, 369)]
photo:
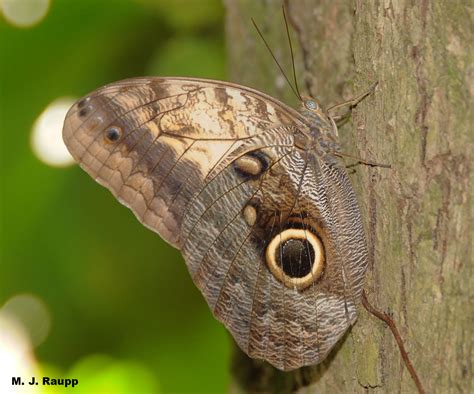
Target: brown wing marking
[(175, 132)]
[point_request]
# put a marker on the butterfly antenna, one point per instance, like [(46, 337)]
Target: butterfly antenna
[(291, 50), (275, 59)]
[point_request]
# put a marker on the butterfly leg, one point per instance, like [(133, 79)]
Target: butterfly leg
[(341, 120), (362, 161), (352, 103), (355, 100)]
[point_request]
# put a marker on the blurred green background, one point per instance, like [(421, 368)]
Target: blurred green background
[(122, 312)]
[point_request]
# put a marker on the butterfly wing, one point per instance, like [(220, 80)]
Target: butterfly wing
[(271, 233), (289, 313), (170, 133)]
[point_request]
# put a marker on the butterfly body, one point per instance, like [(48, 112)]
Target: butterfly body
[(251, 193)]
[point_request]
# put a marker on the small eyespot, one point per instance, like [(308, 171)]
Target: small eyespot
[(84, 111), (252, 164), (113, 134), (250, 214), (311, 105), (83, 102)]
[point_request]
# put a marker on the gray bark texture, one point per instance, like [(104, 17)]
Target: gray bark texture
[(417, 214)]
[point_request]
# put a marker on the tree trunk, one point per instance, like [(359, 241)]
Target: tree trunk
[(417, 214)]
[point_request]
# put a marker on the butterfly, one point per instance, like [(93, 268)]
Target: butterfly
[(251, 191)]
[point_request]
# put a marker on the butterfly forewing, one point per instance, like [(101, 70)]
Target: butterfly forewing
[(270, 230), (172, 132)]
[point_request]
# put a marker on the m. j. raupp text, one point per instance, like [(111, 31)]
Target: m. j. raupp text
[(46, 381)]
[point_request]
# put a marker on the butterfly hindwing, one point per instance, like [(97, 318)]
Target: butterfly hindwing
[(225, 247)]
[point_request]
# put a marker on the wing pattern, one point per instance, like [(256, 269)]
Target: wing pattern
[(271, 232)]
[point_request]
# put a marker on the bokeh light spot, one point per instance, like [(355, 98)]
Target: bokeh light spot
[(24, 13), (16, 356), (33, 315), (46, 138), (103, 374)]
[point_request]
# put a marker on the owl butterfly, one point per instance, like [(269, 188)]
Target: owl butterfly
[(252, 194)]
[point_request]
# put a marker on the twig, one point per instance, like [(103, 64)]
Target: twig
[(391, 324)]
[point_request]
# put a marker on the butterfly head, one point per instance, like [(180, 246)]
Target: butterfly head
[(311, 104), (323, 125), (312, 107)]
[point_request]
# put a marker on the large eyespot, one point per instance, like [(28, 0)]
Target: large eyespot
[(311, 105), (295, 257)]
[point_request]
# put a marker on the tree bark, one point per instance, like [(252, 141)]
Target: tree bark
[(417, 214)]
